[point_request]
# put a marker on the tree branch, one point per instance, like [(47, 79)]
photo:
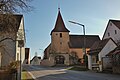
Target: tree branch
[(7, 39)]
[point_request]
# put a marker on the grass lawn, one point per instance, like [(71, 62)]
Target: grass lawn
[(26, 76)]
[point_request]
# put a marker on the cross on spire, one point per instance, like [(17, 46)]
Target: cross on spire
[(58, 8)]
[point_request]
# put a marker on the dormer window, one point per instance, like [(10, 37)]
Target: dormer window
[(60, 35), (115, 31)]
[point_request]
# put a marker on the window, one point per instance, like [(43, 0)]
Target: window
[(110, 24), (108, 34), (115, 31), (60, 35), (61, 43)]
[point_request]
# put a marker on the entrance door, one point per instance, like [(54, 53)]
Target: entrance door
[(59, 59)]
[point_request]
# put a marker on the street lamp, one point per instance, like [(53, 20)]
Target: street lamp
[(84, 43)]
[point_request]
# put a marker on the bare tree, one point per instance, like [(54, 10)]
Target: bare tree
[(8, 22), (13, 6), (7, 8)]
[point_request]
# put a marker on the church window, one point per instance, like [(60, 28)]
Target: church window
[(108, 34), (115, 31), (61, 43), (60, 35)]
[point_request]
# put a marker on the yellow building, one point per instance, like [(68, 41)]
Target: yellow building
[(65, 49)]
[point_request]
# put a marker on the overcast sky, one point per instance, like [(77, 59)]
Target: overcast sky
[(94, 14)]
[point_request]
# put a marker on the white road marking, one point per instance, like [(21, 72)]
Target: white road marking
[(31, 75)]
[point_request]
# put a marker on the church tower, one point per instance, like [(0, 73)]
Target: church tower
[(59, 42), (59, 36)]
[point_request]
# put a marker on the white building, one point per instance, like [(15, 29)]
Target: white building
[(113, 31), (97, 54), (10, 50), (36, 60), (110, 40)]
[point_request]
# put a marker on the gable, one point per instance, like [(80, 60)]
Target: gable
[(112, 30), (21, 30), (116, 23), (108, 48), (35, 58)]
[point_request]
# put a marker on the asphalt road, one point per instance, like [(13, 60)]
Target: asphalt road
[(60, 73)]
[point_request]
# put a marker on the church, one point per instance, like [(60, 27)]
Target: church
[(66, 49)]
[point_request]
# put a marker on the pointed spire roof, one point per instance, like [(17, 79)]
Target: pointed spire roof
[(60, 26)]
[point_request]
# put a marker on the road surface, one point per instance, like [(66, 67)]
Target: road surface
[(61, 73)]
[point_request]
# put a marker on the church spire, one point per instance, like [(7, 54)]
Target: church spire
[(59, 25)]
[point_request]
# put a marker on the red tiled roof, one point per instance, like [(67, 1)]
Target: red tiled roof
[(60, 26)]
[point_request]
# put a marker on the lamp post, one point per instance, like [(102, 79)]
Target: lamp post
[(84, 41)]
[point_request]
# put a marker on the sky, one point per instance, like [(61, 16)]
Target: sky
[(94, 14)]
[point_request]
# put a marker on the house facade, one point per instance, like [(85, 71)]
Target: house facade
[(65, 49), (10, 50), (36, 60), (113, 31), (111, 34), (97, 58), (115, 56)]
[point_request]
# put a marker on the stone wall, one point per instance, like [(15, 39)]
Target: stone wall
[(60, 44)]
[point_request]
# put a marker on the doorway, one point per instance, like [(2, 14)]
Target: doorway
[(59, 59)]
